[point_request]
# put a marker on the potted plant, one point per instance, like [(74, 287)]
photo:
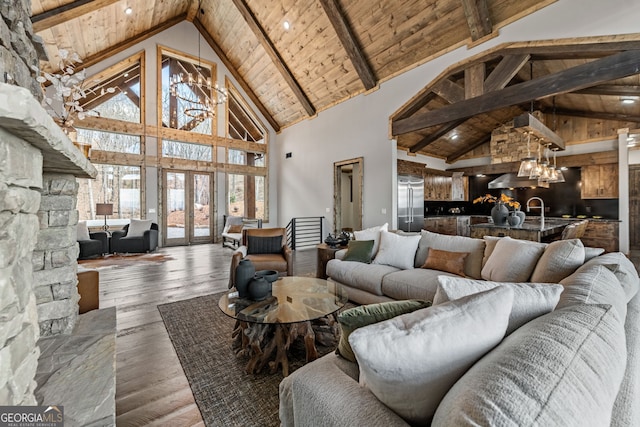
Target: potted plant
[(500, 211)]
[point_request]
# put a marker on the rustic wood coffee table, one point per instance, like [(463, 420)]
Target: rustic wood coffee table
[(272, 325)]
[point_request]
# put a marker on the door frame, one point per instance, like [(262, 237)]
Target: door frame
[(337, 191), (189, 237)]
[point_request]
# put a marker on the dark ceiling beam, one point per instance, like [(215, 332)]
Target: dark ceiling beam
[(612, 90), (478, 18), (419, 101), (464, 150), (505, 71), (600, 115), (579, 77), (234, 72), (528, 124), (100, 56), (349, 43), (67, 12), (436, 135), (271, 51), (450, 91)]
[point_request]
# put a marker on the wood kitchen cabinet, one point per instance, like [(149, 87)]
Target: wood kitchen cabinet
[(600, 181), (446, 188), (451, 225)]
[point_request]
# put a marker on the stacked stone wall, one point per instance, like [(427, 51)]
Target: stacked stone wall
[(20, 48), (20, 179), (55, 254)]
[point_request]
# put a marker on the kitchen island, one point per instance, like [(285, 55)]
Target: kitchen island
[(529, 230)]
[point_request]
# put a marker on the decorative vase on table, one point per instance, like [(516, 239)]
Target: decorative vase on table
[(513, 219), (520, 214), (499, 214), (258, 288), (244, 274)]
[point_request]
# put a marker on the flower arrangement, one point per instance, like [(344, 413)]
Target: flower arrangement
[(507, 200), (69, 87)]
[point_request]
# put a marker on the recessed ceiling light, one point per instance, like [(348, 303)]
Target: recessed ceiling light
[(454, 136), (128, 11), (628, 100), (286, 25), (126, 74)]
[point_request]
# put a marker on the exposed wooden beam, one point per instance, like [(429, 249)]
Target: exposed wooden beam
[(527, 123), (100, 56), (573, 161), (505, 71), (419, 101), (464, 150), (449, 91), (579, 77), (612, 90), (61, 14), (478, 18), (271, 51), (436, 135), (601, 115), (349, 42), (474, 80), (234, 72), (192, 10)]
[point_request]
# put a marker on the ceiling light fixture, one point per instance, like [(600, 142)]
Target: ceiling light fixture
[(202, 97), (528, 163), (628, 100), (128, 11), (286, 25)]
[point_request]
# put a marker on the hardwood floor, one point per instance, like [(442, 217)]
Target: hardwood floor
[(151, 388)]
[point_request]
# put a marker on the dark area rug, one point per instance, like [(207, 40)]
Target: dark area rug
[(225, 394)]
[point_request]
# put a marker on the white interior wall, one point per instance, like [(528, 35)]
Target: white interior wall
[(359, 126)]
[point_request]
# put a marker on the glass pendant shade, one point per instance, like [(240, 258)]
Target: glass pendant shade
[(544, 172), (526, 165)]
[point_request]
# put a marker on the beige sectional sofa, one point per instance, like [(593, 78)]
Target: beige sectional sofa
[(577, 365)]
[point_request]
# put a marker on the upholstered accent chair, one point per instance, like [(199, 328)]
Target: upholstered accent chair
[(122, 241), (266, 248), (96, 245)]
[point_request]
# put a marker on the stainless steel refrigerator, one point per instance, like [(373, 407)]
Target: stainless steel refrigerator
[(410, 203)]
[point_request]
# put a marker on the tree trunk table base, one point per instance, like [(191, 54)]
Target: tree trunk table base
[(268, 344)]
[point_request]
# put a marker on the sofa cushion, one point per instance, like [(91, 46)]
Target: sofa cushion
[(622, 267), (372, 233), (595, 284), (367, 277), (359, 251), (561, 369), (82, 231), (417, 283), (475, 248), (450, 262), (364, 315), (410, 362), (590, 253), (137, 227), (530, 300), (512, 260), (490, 244), (397, 250), (559, 259)]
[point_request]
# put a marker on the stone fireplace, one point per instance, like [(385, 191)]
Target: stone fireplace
[(49, 355)]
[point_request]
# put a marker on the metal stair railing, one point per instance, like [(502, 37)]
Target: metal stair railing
[(304, 232)]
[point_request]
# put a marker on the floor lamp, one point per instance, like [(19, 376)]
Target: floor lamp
[(104, 209)]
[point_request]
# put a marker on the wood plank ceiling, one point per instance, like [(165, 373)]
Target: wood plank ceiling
[(333, 50)]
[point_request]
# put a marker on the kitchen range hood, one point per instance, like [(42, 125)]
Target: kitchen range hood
[(511, 180)]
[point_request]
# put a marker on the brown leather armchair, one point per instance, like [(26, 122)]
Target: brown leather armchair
[(281, 261)]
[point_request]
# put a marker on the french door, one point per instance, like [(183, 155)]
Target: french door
[(188, 209)]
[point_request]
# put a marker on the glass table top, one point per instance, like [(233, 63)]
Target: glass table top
[(293, 299)]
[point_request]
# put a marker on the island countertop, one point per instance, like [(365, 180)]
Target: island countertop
[(527, 231)]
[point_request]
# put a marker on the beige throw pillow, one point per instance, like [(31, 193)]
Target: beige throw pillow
[(475, 248), (411, 361), (372, 233), (530, 300), (512, 260), (397, 250), (82, 231), (559, 260)]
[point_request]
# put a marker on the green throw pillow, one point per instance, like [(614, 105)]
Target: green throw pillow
[(359, 251), (364, 315)]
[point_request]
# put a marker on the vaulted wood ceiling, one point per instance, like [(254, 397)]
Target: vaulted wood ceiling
[(334, 49)]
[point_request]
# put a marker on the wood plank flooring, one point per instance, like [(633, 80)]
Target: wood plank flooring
[(151, 388)]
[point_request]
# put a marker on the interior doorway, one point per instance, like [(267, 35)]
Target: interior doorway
[(188, 208), (634, 207), (347, 194)]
